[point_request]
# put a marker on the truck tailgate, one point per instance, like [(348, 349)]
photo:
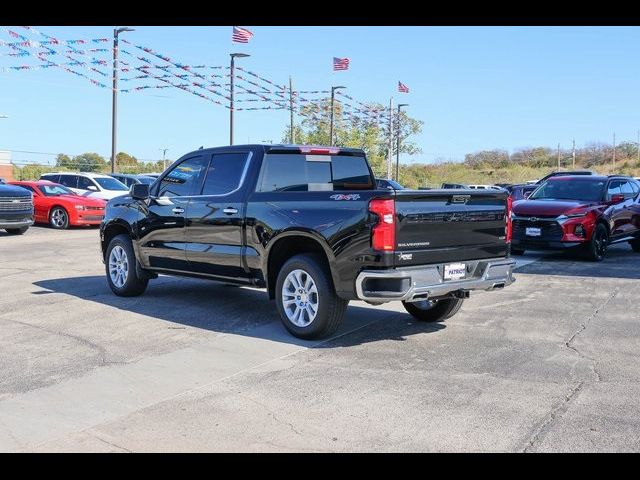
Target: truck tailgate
[(437, 226)]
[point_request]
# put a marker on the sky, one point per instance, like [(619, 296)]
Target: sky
[(475, 88)]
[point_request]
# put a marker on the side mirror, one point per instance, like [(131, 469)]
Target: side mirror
[(617, 198), (527, 194), (139, 191), (93, 188)]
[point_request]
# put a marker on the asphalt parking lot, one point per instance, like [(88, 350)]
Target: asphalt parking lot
[(549, 364)]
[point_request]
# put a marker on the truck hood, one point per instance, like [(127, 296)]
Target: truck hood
[(13, 191), (548, 207)]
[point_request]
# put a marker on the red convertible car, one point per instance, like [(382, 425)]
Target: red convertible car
[(58, 206)]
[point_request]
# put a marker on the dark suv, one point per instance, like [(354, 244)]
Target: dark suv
[(16, 209), (588, 211)]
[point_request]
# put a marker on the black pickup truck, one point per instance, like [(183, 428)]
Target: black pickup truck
[(310, 226), (16, 209)]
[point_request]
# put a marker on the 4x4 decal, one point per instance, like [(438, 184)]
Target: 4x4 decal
[(341, 196)]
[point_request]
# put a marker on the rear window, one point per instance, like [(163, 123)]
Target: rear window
[(307, 173)]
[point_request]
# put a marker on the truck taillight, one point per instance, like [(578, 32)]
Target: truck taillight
[(384, 232), (509, 224)]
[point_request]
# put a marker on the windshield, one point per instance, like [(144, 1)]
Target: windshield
[(566, 189), (55, 190), (109, 183)]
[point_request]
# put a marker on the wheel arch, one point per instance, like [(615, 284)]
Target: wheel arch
[(290, 243)]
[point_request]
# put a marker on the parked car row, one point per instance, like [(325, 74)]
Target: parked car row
[(61, 199)]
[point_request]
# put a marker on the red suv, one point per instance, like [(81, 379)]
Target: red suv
[(590, 212)]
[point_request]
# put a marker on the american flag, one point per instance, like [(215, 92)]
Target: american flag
[(340, 63), (241, 35), (403, 88)]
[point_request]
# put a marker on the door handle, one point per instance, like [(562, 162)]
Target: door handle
[(230, 210), (178, 210)]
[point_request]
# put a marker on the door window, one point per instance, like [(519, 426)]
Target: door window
[(84, 183), (224, 173), (70, 181), (626, 189), (184, 179)]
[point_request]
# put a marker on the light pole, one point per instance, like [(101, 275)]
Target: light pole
[(400, 105), (164, 161), (333, 94), (114, 109), (233, 58)]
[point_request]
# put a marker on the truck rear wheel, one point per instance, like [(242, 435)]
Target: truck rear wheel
[(122, 274), (307, 302), (433, 310)]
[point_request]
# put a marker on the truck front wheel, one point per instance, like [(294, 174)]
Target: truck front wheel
[(433, 310), (120, 264), (307, 302)]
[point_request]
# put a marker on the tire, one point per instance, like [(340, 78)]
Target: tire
[(59, 218), (17, 231), (435, 310), (121, 268), (297, 314), (635, 245), (517, 251), (596, 249)]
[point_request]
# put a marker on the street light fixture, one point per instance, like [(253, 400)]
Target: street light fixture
[(114, 109), (333, 90), (233, 57), (400, 105)]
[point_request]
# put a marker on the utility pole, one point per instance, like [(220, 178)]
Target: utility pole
[(558, 156), (114, 98), (291, 130), (164, 162), (573, 154), (333, 95), (231, 75), (614, 153), (390, 150), (400, 105), (638, 150)]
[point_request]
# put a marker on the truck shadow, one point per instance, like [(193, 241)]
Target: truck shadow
[(620, 262), (231, 309)]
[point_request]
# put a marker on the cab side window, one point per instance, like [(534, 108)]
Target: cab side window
[(224, 173), (626, 190), (184, 179), (84, 183), (70, 181)]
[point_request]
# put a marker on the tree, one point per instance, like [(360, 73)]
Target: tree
[(64, 161), (126, 163), (89, 162), (362, 131)]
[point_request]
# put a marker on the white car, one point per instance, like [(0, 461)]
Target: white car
[(95, 185)]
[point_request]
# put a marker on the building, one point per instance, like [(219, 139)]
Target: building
[(6, 167)]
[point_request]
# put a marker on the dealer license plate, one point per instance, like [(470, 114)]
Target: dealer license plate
[(533, 232), (455, 271)]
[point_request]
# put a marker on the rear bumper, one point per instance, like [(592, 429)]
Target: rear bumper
[(419, 283)]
